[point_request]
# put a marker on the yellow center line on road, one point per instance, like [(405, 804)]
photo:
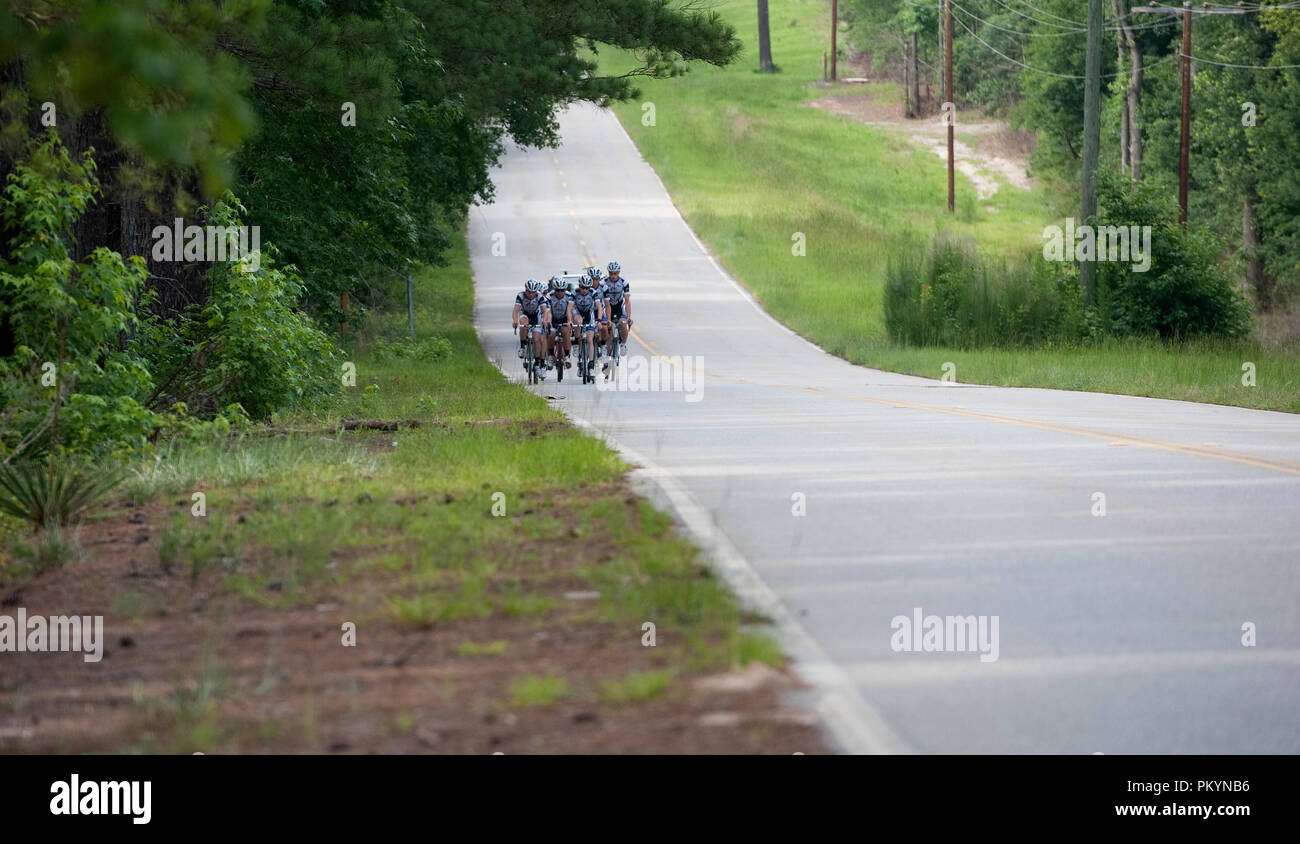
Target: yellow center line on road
[(1273, 463)]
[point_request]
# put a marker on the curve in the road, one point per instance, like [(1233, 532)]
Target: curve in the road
[(1128, 547)]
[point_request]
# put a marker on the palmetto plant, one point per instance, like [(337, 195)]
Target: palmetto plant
[(53, 495)]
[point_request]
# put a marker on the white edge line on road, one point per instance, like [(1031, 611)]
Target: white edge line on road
[(854, 723), (704, 250), (855, 726)]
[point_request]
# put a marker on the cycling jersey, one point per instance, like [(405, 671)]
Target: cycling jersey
[(585, 303), (531, 308), (614, 290), (559, 308)]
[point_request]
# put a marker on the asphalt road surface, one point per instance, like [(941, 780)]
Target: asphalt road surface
[(839, 498)]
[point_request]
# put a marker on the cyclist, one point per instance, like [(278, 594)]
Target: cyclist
[(604, 334), (618, 293), (588, 307), (561, 304), (532, 316)]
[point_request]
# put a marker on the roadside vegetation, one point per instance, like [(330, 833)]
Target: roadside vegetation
[(491, 557), (307, 529), (757, 172)]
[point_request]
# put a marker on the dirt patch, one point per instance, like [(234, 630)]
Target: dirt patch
[(1000, 156), (190, 666)]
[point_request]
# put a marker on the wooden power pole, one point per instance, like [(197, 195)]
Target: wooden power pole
[(949, 105), (1091, 135), (835, 25)]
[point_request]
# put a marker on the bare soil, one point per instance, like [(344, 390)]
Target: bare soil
[(190, 667), (999, 156)]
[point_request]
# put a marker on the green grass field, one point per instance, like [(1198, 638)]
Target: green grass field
[(752, 165)]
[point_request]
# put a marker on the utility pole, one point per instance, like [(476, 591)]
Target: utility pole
[(949, 105), (1091, 136), (1185, 131), (835, 25)]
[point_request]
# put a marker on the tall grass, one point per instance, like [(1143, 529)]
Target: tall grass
[(953, 296)]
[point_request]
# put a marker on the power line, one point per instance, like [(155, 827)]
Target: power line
[(1049, 72), (987, 22), (1248, 66), (1016, 31), (1050, 15), (1078, 26)]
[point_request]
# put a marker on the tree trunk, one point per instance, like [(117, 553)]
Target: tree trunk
[(916, 78), (1123, 109), (1257, 275), (909, 105), (1133, 95), (764, 39), (1091, 137)]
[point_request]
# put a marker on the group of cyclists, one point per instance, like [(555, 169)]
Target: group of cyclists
[(551, 316)]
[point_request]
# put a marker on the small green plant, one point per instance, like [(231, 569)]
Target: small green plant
[(537, 690), (641, 686), (52, 548), (485, 649), (55, 495), (757, 647)]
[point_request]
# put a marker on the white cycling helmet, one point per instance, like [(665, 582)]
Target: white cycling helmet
[(557, 283), (614, 267), (534, 285)]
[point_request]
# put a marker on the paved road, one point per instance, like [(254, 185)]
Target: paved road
[(1119, 633)]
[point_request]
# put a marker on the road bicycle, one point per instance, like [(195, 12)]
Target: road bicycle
[(532, 366), (557, 353), (584, 361)]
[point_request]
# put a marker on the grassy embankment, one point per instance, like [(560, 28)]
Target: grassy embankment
[(749, 163)]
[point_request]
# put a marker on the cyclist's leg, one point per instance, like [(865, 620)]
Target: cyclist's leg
[(524, 334)]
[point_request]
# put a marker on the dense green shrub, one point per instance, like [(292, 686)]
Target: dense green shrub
[(248, 345), (953, 296), (1185, 292)]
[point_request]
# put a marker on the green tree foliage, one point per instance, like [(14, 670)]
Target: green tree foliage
[(1029, 58), (64, 376), (1278, 149), (248, 345), (156, 71), (182, 102)]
